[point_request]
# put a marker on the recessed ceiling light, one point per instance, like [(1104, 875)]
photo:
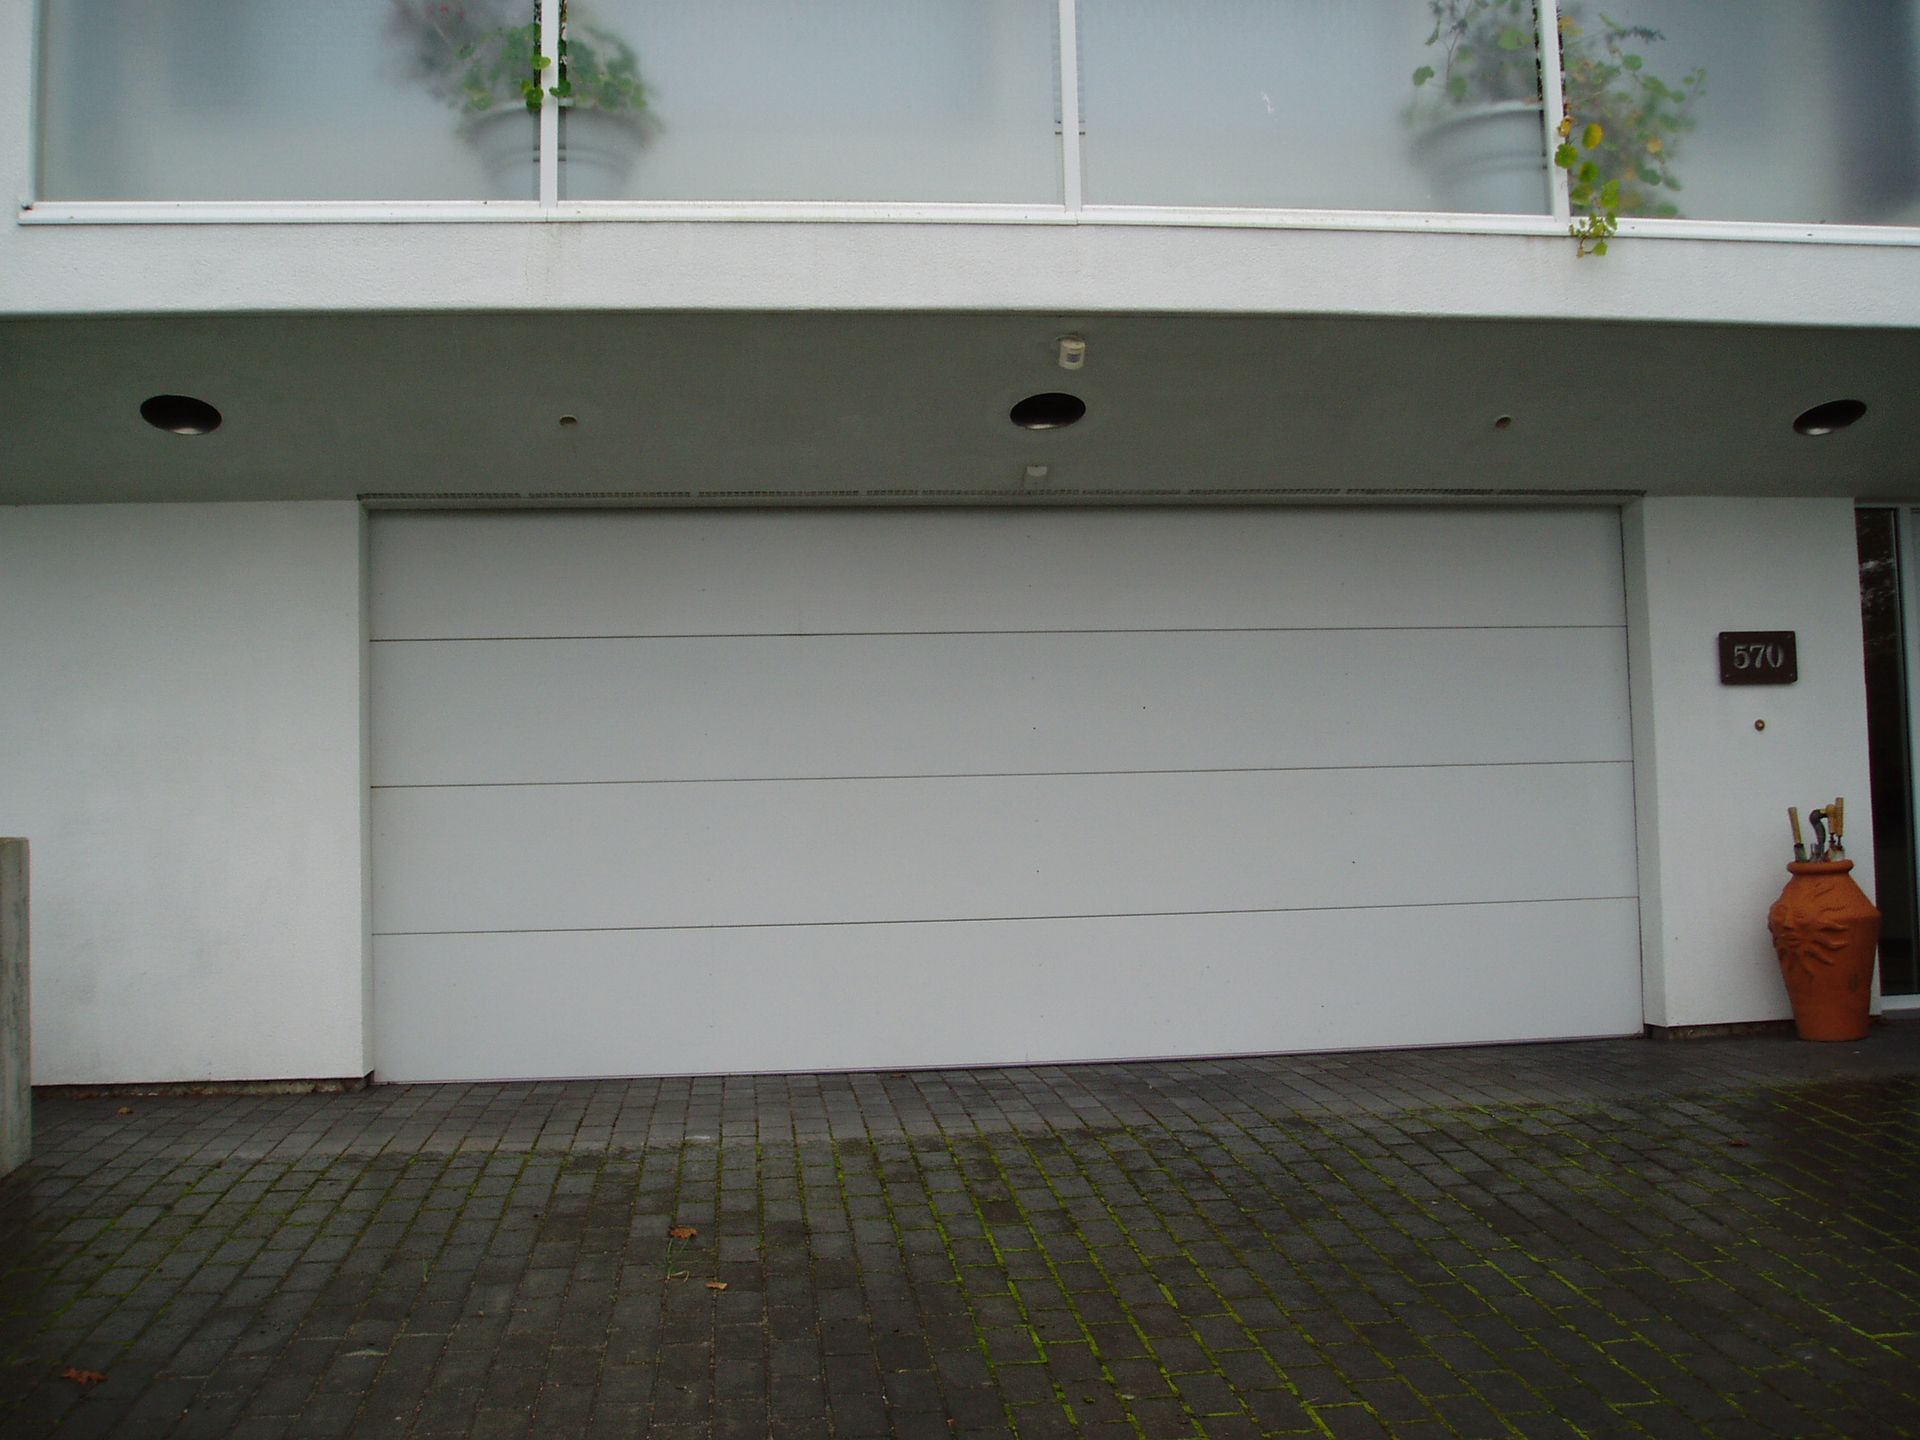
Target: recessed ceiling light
[(179, 414), (1053, 410), (1827, 418)]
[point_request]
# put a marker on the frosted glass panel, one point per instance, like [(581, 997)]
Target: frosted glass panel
[(934, 100), (1807, 111), (255, 100), (1309, 104)]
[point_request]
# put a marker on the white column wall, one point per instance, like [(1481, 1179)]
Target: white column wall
[(182, 739), (1711, 791)]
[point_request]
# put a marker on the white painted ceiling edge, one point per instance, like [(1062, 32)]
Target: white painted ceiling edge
[(860, 265), (647, 265)]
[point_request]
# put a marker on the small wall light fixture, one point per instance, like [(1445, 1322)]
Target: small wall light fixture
[(1053, 410), (179, 414), (1827, 418)]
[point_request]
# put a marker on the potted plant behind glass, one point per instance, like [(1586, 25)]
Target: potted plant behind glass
[(1481, 136), (1480, 112), (491, 71), (1622, 126)]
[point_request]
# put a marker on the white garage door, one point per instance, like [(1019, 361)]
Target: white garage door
[(661, 792)]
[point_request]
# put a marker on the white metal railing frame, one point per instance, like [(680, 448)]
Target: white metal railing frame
[(1072, 209)]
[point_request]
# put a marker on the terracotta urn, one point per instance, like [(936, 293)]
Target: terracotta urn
[(1826, 933)]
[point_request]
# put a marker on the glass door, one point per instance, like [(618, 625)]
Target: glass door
[(1887, 543)]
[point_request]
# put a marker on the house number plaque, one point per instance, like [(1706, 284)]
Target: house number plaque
[(1758, 657)]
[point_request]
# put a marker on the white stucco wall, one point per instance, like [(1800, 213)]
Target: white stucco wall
[(181, 738), (1712, 791)]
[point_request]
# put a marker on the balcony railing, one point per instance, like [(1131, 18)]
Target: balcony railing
[(1798, 111)]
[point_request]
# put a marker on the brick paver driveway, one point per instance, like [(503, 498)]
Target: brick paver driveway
[(1619, 1238)]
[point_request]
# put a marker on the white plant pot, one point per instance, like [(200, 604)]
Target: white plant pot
[(597, 151), (1487, 160)]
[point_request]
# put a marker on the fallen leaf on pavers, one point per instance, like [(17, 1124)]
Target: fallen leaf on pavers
[(678, 1274), (683, 1232), (124, 1110), (716, 1284), (1741, 1143), (82, 1377)]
